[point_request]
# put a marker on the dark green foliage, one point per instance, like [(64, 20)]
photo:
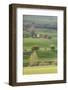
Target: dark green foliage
[(52, 47), (46, 54), (35, 48)]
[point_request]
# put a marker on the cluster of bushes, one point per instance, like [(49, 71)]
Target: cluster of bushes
[(36, 48), (52, 47)]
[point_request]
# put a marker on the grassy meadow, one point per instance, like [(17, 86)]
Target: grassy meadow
[(40, 69), (40, 48)]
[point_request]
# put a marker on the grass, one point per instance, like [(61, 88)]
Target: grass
[(46, 54), (30, 42), (40, 69)]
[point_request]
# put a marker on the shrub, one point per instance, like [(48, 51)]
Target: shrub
[(35, 48), (52, 47)]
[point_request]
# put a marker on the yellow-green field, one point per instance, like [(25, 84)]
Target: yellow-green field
[(40, 69)]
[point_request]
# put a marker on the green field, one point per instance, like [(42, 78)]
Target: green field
[(42, 43), (40, 69)]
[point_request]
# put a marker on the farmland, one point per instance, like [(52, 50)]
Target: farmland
[(44, 54), (40, 47)]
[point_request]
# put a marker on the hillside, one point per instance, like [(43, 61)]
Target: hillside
[(45, 22)]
